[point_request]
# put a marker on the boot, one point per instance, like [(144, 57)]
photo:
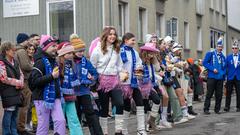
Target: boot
[(119, 123), (140, 121), (152, 118), (104, 124), (125, 123), (190, 111), (119, 134)]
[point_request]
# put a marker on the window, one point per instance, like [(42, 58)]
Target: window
[(142, 24), (60, 18), (214, 35), (223, 7), (186, 35), (123, 15), (159, 24), (172, 28), (199, 39)]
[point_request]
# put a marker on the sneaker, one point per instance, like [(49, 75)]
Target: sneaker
[(165, 124), (190, 117), (141, 132), (183, 120)]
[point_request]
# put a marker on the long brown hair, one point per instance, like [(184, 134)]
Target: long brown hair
[(104, 36), (145, 58)]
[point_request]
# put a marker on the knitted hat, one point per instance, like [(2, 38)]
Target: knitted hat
[(21, 37), (190, 60), (149, 47), (64, 48), (77, 43), (46, 41), (176, 47)]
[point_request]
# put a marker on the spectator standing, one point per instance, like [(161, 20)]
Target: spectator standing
[(11, 83)]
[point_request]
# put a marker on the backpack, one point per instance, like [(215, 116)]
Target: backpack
[(30, 79)]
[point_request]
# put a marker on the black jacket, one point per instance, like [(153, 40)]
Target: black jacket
[(40, 81), (9, 94)]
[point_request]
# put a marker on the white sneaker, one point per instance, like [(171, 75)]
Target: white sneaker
[(141, 132), (190, 117), (165, 124), (183, 120)]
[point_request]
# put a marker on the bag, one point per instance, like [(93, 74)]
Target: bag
[(167, 81), (204, 75), (69, 98), (30, 79)]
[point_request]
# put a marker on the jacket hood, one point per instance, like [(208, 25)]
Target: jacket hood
[(18, 47)]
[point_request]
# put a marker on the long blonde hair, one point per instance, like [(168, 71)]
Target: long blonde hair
[(104, 36)]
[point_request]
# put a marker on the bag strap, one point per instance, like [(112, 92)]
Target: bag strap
[(108, 61), (38, 70)]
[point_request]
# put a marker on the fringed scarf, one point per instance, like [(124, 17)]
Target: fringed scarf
[(82, 72), (70, 79), (123, 54), (146, 75), (49, 93)]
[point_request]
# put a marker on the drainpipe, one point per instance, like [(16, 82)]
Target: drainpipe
[(227, 40)]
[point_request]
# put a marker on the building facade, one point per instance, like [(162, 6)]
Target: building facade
[(233, 23), (196, 24)]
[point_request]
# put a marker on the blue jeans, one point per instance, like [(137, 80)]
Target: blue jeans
[(9, 122)]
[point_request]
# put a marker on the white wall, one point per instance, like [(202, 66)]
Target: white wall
[(233, 13)]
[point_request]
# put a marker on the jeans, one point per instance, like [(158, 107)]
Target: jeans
[(174, 102), (9, 122)]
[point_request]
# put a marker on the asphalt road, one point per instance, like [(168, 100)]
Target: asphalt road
[(214, 124)]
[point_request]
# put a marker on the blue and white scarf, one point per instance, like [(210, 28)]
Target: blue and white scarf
[(146, 74), (49, 94), (123, 54), (70, 79), (82, 72)]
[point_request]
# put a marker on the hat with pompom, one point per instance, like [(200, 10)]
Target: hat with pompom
[(77, 43)]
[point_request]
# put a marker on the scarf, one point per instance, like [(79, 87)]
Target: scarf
[(49, 94), (70, 79), (123, 54), (82, 72), (146, 75)]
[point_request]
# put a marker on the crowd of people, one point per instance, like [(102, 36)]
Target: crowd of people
[(45, 82)]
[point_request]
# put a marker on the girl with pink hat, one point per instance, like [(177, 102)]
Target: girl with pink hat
[(148, 83), (132, 65), (106, 59), (68, 79)]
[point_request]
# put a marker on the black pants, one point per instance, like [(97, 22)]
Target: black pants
[(117, 100), (84, 104), (154, 96), (137, 97), (216, 86), (230, 84)]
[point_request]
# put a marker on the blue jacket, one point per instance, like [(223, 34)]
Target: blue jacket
[(210, 62), (231, 70), (84, 89)]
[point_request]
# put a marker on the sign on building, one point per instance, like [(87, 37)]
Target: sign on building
[(15, 8)]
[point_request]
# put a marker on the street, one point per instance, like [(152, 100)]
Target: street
[(214, 124)]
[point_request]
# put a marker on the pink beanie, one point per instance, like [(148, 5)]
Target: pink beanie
[(66, 48), (46, 41)]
